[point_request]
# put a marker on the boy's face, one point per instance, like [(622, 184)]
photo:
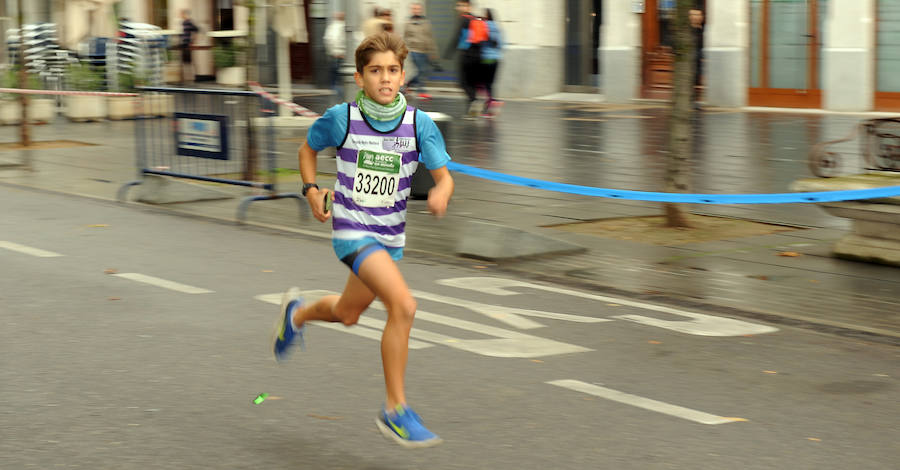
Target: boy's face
[(381, 77)]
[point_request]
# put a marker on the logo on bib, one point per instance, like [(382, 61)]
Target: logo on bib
[(397, 144)]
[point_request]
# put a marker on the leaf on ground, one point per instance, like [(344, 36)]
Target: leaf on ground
[(816, 439), (110, 271), (770, 371), (654, 342), (792, 254)]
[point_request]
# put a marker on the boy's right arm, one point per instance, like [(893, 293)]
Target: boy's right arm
[(314, 196)]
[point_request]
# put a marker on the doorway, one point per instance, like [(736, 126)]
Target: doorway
[(583, 19), (657, 58), (785, 53)]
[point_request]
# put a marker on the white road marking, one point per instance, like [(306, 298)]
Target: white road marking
[(28, 250), (699, 324), (645, 403), (509, 315), (506, 343), (358, 330), (164, 283)]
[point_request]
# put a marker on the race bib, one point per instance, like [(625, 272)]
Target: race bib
[(377, 177)]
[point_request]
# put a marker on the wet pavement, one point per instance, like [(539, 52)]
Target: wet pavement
[(610, 146)]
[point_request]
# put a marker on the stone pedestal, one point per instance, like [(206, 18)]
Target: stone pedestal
[(876, 222)]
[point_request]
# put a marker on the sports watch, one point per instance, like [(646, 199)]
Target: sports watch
[(306, 187)]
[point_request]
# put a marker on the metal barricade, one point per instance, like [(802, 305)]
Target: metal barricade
[(879, 148), (220, 136)]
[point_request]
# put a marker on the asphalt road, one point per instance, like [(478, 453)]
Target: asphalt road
[(131, 338)]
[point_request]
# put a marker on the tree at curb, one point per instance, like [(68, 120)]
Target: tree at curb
[(678, 168), (252, 75), (24, 131)]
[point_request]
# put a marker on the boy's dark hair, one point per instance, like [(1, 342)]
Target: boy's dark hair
[(381, 42)]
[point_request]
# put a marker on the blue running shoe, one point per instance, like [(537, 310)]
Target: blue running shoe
[(285, 335), (405, 427)]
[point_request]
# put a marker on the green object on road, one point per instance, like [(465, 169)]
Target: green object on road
[(260, 398)]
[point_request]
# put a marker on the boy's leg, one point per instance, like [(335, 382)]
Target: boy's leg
[(345, 308), (382, 277)]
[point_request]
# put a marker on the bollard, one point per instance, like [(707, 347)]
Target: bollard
[(421, 181)]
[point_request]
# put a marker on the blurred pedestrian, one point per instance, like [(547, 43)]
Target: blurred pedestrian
[(422, 48), (387, 20), (379, 22), (698, 24), (469, 54), (491, 53), (336, 48), (188, 30)]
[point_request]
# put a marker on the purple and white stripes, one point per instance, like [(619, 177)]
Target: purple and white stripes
[(386, 224)]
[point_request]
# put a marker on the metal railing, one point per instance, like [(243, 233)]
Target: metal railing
[(219, 136)]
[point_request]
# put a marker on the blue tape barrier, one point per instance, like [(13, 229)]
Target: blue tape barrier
[(774, 198)]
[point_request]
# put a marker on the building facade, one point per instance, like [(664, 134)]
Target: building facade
[(841, 55)]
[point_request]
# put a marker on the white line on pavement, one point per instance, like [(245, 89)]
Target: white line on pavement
[(28, 250), (164, 283), (700, 324), (645, 403)]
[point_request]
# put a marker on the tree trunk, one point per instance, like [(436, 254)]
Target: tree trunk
[(678, 169), (24, 131), (252, 74)]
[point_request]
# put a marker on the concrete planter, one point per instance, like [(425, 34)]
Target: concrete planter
[(81, 108), (158, 105), (41, 110), (231, 76), (122, 107), (172, 72), (10, 111), (876, 222)]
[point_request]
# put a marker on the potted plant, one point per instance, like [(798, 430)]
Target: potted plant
[(10, 106), (225, 57), (172, 70), (124, 107), (84, 107), (41, 109)]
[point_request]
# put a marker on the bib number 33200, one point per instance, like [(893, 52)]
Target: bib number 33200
[(377, 177)]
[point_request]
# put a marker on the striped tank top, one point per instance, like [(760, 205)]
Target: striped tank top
[(373, 180)]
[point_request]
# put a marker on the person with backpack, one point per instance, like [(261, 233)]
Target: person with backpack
[(471, 32), (491, 53)]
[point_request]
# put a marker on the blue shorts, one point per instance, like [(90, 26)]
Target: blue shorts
[(354, 252)]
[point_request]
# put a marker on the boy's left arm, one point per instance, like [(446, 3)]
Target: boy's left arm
[(439, 195)]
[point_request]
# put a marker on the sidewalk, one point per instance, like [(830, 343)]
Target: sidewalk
[(593, 144)]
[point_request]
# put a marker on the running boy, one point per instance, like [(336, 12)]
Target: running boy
[(379, 142)]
